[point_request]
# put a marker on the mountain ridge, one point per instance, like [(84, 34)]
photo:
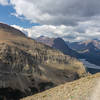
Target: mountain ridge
[(9, 29), (31, 67), (57, 43)]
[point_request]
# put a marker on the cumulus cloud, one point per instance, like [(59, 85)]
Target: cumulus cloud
[(4, 2), (72, 20), (83, 31), (66, 12)]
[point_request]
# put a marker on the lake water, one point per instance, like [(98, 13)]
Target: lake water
[(92, 68)]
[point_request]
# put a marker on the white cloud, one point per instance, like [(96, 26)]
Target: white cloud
[(4, 2), (71, 33), (72, 20), (57, 12)]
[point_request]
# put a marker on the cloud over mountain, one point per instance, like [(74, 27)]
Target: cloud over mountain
[(72, 20), (84, 31)]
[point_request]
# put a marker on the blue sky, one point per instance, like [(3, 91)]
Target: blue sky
[(8, 18), (73, 21)]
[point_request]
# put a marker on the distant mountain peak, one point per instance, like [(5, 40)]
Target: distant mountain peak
[(59, 38), (42, 36), (57, 43)]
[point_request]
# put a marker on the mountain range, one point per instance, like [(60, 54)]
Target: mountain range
[(59, 44), (89, 50), (86, 51), (28, 67)]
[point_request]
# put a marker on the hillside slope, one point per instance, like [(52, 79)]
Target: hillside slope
[(28, 67), (83, 89)]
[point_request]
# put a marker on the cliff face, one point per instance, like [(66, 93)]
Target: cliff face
[(31, 67)]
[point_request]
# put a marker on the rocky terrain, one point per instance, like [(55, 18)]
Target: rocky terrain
[(87, 88), (28, 67)]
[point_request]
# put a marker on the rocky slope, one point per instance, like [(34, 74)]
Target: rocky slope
[(87, 88), (28, 67)]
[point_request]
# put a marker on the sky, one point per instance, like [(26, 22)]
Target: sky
[(72, 20)]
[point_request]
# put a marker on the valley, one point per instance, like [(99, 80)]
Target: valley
[(91, 68)]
